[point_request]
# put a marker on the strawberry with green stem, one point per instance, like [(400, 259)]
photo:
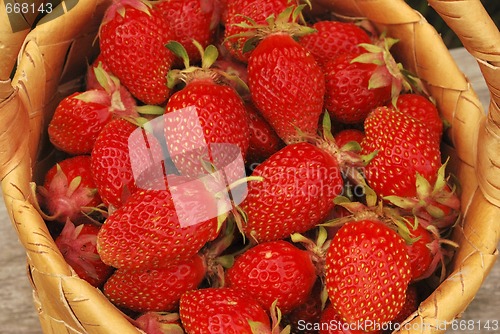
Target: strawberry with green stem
[(286, 84), (241, 15), (299, 184), (80, 117), (332, 38), (404, 148), (132, 31), (207, 105)]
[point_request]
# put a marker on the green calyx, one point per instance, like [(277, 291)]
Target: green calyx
[(388, 71), (209, 56), (290, 22)]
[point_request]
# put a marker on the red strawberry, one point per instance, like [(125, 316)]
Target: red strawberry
[(405, 147), (348, 135), (154, 289), (367, 272), (191, 20), (205, 120), (221, 310), (332, 38), (157, 228), (299, 184), (78, 246), (69, 191), (275, 270), (111, 167), (243, 11), (423, 109), (349, 96), (130, 33), (91, 81), (80, 117), (264, 141), (287, 90)]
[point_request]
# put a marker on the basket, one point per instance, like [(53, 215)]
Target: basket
[(50, 64)]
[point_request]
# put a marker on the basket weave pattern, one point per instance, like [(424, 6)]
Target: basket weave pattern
[(50, 64)]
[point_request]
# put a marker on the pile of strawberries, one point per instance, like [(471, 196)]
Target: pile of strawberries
[(244, 166)]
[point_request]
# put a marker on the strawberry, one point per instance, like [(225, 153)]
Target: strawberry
[(264, 141), (421, 108), (157, 228), (348, 135), (129, 34), (221, 310), (190, 20), (78, 247), (69, 191), (299, 184), (248, 11), (154, 289), (274, 270), (80, 117), (404, 148), (212, 111), (367, 272), (110, 162), (288, 90), (349, 97), (332, 38), (91, 81)]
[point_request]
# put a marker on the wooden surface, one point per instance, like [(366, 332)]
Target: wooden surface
[(18, 315)]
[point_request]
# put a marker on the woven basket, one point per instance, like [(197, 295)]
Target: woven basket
[(51, 62)]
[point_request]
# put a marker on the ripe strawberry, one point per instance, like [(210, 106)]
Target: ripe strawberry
[(78, 247), (111, 167), (221, 310), (154, 289), (80, 117), (129, 34), (157, 228), (332, 38), (69, 191), (244, 11), (349, 96), (275, 270), (348, 135), (264, 141), (300, 183), (287, 90), (190, 20), (91, 81), (423, 109), (367, 272), (213, 114), (405, 147)]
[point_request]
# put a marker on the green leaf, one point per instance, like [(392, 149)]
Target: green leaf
[(179, 50)]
